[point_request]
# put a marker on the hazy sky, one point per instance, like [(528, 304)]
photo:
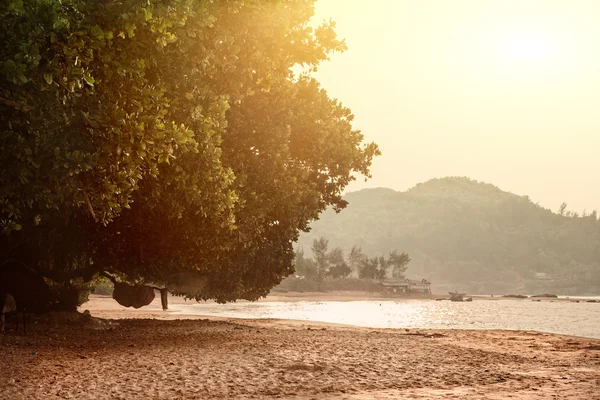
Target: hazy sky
[(506, 92)]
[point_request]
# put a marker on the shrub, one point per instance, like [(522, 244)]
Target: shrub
[(103, 287)]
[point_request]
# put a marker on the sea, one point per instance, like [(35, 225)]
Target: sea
[(559, 316)]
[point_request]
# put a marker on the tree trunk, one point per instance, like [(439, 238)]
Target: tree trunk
[(71, 297)]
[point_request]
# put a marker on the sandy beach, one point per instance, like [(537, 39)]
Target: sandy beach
[(148, 353)]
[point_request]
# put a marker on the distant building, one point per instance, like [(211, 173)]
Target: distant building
[(407, 286), (542, 276)]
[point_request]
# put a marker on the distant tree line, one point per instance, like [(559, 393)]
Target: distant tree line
[(562, 210), (472, 236), (334, 265)]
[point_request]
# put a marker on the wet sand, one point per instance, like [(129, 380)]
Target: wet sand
[(66, 356)]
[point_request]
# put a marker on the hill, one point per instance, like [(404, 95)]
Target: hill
[(470, 236)]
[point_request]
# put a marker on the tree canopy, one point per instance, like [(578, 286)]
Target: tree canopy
[(168, 140), (333, 264)]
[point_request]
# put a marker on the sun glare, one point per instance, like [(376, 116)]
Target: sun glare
[(525, 49)]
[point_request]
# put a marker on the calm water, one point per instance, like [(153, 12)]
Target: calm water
[(569, 318)]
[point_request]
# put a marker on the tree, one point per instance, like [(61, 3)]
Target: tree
[(369, 268), (399, 264), (168, 139), (562, 209), (319, 249), (311, 269), (300, 263), (382, 269), (338, 268), (378, 267), (305, 267), (356, 259)]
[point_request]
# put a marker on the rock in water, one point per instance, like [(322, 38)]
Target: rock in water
[(135, 296)]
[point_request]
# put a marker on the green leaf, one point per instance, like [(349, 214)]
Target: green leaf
[(48, 77), (16, 5), (97, 32), (89, 80), (130, 28)]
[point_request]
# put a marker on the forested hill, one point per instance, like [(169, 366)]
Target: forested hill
[(470, 236)]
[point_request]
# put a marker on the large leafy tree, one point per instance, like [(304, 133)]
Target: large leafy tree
[(168, 139)]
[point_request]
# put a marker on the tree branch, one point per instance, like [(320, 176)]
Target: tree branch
[(89, 204), (14, 104)]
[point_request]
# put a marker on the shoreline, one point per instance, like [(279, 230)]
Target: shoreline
[(134, 355), (358, 296), (346, 296), (180, 309)]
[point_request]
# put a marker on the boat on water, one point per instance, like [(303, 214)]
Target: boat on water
[(456, 296)]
